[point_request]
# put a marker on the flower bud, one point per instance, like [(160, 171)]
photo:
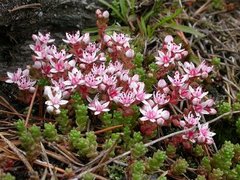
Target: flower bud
[(106, 14), (37, 65), (162, 83), (31, 89), (86, 38), (130, 53), (106, 38), (50, 109), (98, 12), (168, 39)]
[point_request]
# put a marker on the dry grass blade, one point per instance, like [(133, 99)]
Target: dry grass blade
[(46, 158), (31, 106), (10, 107), (20, 155)]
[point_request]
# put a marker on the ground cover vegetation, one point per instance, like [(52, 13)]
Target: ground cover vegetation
[(150, 93)]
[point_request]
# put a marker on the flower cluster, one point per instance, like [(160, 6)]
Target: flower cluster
[(101, 72), (22, 79), (177, 85)]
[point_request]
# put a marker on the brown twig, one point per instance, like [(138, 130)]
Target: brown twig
[(10, 107), (25, 6), (31, 106), (23, 115), (20, 155), (108, 129)]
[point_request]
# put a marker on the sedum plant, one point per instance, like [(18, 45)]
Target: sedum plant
[(50, 132), (179, 167), (63, 121), (156, 162), (86, 147), (138, 169), (30, 139)]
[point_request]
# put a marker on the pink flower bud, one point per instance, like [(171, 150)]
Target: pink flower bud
[(83, 66), (50, 109), (130, 53), (37, 64), (204, 75), (110, 50), (162, 83), (98, 12), (106, 38), (165, 114), (160, 121), (106, 14), (31, 89), (57, 111), (168, 39), (86, 38)]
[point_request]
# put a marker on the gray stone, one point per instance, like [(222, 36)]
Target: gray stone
[(19, 19)]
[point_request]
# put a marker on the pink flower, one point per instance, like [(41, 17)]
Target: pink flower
[(121, 39), (178, 79), (109, 80), (15, 77), (197, 93), (92, 47), (44, 53), (61, 84), (191, 70), (98, 106), (190, 120), (205, 135), (153, 113), (204, 107), (92, 81), (184, 92), (75, 77), (75, 38), (160, 98), (72, 39), (22, 79), (61, 56), (25, 83), (99, 70), (115, 67), (205, 70), (190, 135), (126, 98), (164, 59), (58, 66), (89, 58), (42, 38), (140, 93), (54, 99), (113, 92)]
